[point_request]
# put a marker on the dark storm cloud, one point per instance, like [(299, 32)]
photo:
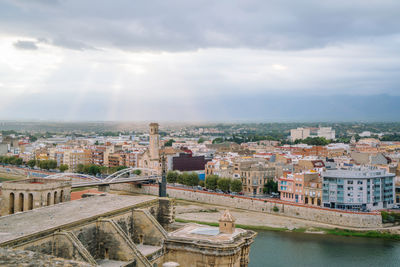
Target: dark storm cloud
[(25, 45), (185, 25)]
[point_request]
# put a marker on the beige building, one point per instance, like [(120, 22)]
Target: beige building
[(312, 189), (299, 133), (23, 195), (73, 158), (254, 175)]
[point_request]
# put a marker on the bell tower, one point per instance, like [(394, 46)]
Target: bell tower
[(154, 145)]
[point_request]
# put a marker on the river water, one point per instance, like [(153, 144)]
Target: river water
[(298, 249)]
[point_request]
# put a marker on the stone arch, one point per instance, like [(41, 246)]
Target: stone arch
[(61, 196), (55, 197), (21, 202), (48, 199), (30, 201), (11, 209)]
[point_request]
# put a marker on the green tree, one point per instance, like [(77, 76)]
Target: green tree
[(52, 164), (224, 184), (270, 187), (180, 178), (137, 172), (44, 164), (236, 185), (31, 163), (80, 168), (186, 178), (212, 182), (172, 177), (193, 179), (201, 140), (218, 140), (63, 167), (169, 142), (93, 169), (201, 183), (18, 161)]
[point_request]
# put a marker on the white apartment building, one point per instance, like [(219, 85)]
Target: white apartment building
[(326, 132)]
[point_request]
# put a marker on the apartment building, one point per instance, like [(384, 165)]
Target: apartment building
[(291, 187), (73, 158), (299, 133), (358, 188), (327, 133), (254, 176)]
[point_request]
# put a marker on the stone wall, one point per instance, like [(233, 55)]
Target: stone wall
[(322, 215)]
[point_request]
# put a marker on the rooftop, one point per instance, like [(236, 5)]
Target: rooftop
[(51, 217), (357, 172), (209, 234)]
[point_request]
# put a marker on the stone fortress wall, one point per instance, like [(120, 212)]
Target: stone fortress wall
[(272, 206)]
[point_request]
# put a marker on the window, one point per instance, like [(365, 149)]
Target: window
[(349, 182), (359, 182)]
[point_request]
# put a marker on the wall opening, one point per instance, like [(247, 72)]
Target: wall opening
[(21, 202), (30, 201), (55, 198), (106, 254), (62, 196), (11, 203), (48, 199)]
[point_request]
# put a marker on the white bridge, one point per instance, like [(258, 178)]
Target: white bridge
[(123, 176)]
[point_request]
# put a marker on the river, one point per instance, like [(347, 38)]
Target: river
[(297, 249)]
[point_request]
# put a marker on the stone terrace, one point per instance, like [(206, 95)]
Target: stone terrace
[(53, 217)]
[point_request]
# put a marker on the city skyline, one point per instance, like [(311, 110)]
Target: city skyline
[(179, 61)]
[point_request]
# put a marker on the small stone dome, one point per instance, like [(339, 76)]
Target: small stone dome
[(227, 217)]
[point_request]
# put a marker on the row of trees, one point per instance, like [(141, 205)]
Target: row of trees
[(11, 160), (96, 170), (189, 179), (214, 182)]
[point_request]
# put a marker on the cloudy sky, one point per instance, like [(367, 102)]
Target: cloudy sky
[(179, 60)]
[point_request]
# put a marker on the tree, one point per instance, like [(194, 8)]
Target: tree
[(31, 163), (201, 140), (201, 183), (80, 168), (169, 142), (186, 179), (236, 185), (52, 164), (18, 161), (193, 179), (180, 178), (211, 182), (96, 143), (172, 177), (224, 184), (137, 172), (94, 169), (218, 140), (63, 167), (270, 187), (44, 164)]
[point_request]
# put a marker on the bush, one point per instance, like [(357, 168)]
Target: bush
[(275, 209)]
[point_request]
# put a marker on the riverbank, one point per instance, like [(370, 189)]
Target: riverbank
[(187, 211)]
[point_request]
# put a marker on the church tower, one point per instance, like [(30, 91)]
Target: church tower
[(154, 145)]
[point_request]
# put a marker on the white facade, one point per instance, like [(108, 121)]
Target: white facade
[(327, 132)]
